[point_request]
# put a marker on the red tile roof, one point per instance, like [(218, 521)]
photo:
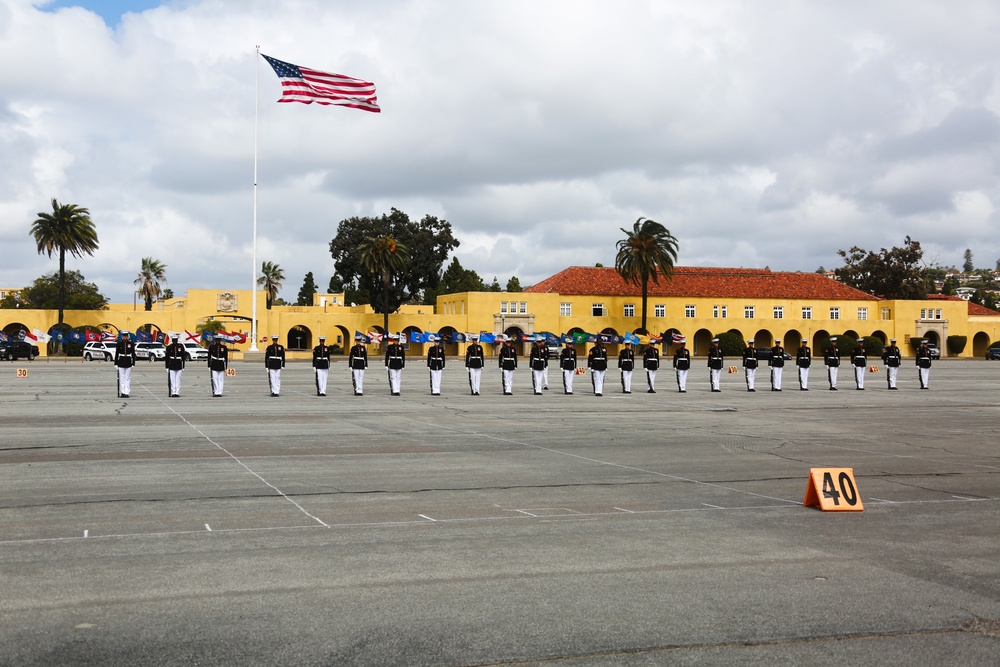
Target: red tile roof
[(974, 308), (702, 282)]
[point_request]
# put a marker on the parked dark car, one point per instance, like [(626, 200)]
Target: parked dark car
[(18, 349), (993, 353), (764, 354), (934, 350)]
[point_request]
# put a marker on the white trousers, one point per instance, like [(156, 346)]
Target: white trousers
[(597, 379), (507, 378), (218, 380), (776, 377), (174, 382), (891, 373), (831, 372), (925, 375), (568, 381), (545, 377), (682, 380), (714, 376), (274, 380), (537, 381), (859, 376), (803, 378), (395, 380), (436, 382), (475, 378), (651, 380), (125, 381), (751, 374), (358, 380), (627, 382), (322, 375)]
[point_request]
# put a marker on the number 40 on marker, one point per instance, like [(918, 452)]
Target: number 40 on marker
[(833, 489)]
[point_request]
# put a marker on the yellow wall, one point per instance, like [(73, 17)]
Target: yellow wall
[(481, 311)]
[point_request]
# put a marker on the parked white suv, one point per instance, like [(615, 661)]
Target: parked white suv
[(194, 352), (100, 351), (150, 351)]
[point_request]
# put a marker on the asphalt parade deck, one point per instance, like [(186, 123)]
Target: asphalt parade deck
[(638, 529)]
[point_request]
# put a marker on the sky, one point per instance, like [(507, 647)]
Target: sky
[(765, 134)]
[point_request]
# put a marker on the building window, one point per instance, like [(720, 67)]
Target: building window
[(660, 310), (725, 312), (566, 309), (835, 313), (779, 312), (923, 313), (690, 311), (597, 310), (886, 313), (748, 312), (629, 310), (524, 308), (807, 312), (937, 314), (503, 307), (862, 313)]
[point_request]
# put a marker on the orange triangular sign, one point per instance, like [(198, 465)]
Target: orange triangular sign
[(833, 490)]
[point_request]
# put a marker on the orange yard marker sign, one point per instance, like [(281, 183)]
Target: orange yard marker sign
[(21, 373), (833, 489), (733, 369), (873, 369)]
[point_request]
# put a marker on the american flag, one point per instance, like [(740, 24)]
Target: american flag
[(301, 84)]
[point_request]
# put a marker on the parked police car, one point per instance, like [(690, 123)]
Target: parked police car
[(150, 351), (99, 350)]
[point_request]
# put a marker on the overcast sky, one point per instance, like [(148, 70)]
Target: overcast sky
[(760, 133)]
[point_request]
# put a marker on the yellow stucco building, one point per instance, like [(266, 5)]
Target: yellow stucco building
[(698, 303)]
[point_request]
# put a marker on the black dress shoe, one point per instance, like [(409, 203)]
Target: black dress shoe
[(650, 391), (124, 395)]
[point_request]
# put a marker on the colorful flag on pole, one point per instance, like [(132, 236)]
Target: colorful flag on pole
[(458, 337), (374, 337), (631, 338), (301, 84), (676, 338), (487, 338)]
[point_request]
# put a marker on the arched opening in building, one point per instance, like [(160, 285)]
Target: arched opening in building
[(980, 343), (299, 337)]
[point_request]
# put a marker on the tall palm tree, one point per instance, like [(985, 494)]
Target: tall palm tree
[(151, 273), (646, 253), (383, 256), (67, 229), (271, 277)]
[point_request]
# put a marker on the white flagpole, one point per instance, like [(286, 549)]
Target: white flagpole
[(253, 271)]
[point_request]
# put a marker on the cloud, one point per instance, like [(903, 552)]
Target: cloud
[(766, 135)]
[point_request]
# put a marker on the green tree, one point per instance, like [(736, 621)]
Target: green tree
[(383, 256), (45, 294), (429, 241), (307, 290), (646, 253), (514, 285), (67, 229), (967, 265), (890, 274), (456, 279), (494, 286), (151, 272), (271, 279), (168, 294)]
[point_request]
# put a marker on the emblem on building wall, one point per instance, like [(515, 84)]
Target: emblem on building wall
[(226, 302)]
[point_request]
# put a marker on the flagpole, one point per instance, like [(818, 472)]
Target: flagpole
[(253, 262)]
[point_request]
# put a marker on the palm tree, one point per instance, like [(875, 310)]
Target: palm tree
[(646, 253), (150, 275), (67, 229), (383, 256), (271, 277)]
